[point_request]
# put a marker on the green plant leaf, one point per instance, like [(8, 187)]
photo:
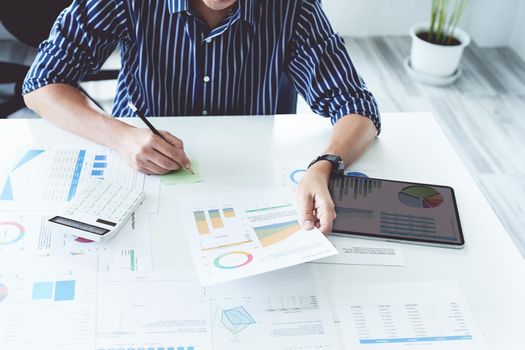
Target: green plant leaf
[(444, 19)]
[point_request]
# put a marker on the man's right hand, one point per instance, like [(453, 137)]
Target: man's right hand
[(149, 153)]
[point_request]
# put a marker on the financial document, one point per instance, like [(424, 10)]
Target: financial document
[(238, 234), (153, 310), (283, 310), (30, 235), (48, 304), (395, 316), (289, 172), (354, 251), (44, 178)]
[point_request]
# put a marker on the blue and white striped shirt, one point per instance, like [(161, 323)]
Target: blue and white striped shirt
[(174, 65)]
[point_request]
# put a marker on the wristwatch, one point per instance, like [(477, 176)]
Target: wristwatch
[(338, 166)]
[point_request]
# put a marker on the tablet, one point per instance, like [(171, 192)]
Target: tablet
[(395, 210)]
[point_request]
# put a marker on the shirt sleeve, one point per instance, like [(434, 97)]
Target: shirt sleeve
[(81, 40), (321, 69)]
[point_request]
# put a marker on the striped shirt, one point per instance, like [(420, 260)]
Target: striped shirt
[(173, 64)]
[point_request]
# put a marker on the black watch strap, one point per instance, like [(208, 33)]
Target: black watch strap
[(338, 165)]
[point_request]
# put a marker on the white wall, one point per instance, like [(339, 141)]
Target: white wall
[(517, 40), (489, 22), (375, 17)]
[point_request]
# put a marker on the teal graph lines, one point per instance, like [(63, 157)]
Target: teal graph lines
[(234, 320), (7, 190)]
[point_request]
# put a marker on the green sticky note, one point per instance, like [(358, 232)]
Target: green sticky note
[(183, 176)]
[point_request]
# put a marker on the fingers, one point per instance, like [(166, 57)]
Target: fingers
[(148, 167), (306, 210), (176, 151), (325, 211), (172, 140)]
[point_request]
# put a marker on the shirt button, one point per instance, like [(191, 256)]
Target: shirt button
[(208, 40), (206, 79), (205, 112)]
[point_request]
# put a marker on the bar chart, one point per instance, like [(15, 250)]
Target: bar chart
[(215, 217), (54, 290), (62, 171), (201, 222), (228, 212), (213, 220), (355, 187)]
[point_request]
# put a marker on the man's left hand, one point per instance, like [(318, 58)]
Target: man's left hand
[(316, 207)]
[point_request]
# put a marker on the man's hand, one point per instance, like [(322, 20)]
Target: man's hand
[(149, 153), (316, 207)]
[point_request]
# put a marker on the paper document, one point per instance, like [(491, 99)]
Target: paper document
[(354, 251), (183, 176), (30, 235), (44, 178), (238, 234), (155, 310), (48, 304), (394, 316), (279, 311), (289, 172)]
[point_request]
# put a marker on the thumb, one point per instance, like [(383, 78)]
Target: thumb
[(306, 211)]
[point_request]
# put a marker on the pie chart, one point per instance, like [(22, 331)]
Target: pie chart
[(420, 197), (11, 232), (3, 292), (83, 240)]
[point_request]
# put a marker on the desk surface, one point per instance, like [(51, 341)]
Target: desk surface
[(238, 153)]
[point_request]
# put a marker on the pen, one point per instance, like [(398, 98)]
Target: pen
[(155, 131)]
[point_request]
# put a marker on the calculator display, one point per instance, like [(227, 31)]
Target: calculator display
[(79, 225)]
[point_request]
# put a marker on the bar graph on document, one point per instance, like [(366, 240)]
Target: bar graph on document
[(220, 228), (130, 250), (238, 234), (61, 171), (57, 297)]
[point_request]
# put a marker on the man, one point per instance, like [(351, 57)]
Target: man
[(204, 57)]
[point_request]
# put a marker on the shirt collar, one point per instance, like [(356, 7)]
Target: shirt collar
[(245, 6)]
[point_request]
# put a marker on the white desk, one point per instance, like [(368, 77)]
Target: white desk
[(237, 153)]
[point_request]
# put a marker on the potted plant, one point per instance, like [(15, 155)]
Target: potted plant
[(437, 46)]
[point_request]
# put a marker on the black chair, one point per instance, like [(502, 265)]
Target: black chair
[(30, 21)]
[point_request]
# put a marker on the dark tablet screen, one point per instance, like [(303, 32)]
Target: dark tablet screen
[(396, 210)]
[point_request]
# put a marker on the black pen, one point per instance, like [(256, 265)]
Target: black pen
[(155, 131)]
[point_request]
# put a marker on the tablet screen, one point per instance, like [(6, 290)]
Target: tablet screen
[(396, 210)]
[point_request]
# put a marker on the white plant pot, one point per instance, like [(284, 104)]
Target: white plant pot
[(436, 60)]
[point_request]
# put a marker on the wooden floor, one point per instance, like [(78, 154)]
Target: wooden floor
[(483, 113)]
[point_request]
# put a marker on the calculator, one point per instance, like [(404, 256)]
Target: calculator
[(98, 211)]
